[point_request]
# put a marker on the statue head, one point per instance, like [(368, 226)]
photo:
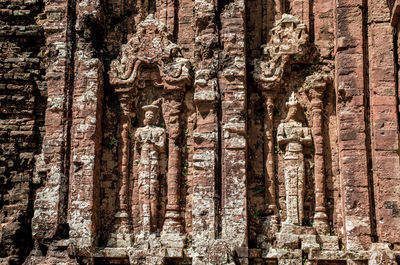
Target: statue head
[(293, 106), (150, 112)]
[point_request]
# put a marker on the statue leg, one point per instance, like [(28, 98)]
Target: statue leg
[(143, 199), (291, 191), (287, 187), (153, 200), (293, 200), (301, 190)]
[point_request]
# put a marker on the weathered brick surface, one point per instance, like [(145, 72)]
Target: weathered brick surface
[(353, 133), (199, 132), (85, 128), (383, 98), (50, 201), (22, 103), (233, 126)]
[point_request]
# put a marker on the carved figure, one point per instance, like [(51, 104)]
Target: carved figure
[(293, 136), (150, 146)]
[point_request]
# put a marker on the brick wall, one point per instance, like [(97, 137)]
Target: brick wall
[(22, 104), (228, 151)]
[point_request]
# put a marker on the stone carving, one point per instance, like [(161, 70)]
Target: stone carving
[(288, 43), (317, 84), (293, 136), (151, 47), (150, 144)]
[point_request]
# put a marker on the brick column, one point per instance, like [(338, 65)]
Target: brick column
[(50, 203), (323, 27), (301, 10), (384, 122), (85, 150), (206, 199), (351, 115), (86, 133), (204, 206), (166, 14), (232, 82), (173, 105), (123, 157), (320, 217), (123, 228)]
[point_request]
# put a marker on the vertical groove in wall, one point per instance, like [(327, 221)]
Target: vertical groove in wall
[(245, 83), (367, 120), (396, 70), (263, 32), (39, 110), (267, 14), (100, 110), (311, 19), (70, 76), (176, 21), (218, 173), (219, 182)]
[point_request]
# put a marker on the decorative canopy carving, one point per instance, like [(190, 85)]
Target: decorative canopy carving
[(288, 42), (150, 45)]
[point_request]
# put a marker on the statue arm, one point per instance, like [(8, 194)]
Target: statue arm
[(281, 138), (161, 142), (306, 139)]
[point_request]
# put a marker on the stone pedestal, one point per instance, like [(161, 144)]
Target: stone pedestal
[(122, 236), (290, 257), (174, 242)]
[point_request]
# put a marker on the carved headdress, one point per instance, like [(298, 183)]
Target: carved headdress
[(293, 105), (151, 107), (292, 102)]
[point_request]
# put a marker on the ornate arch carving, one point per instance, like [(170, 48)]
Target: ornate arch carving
[(288, 43), (150, 45)]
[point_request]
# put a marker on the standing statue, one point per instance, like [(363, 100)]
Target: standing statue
[(293, 136), (150, 143)]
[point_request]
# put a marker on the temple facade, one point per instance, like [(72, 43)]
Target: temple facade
[(242, 132)]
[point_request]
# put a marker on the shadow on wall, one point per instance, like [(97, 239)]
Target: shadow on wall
[(111, 261), (178, 261), (260, 261), (125, 261), (330, 262)]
